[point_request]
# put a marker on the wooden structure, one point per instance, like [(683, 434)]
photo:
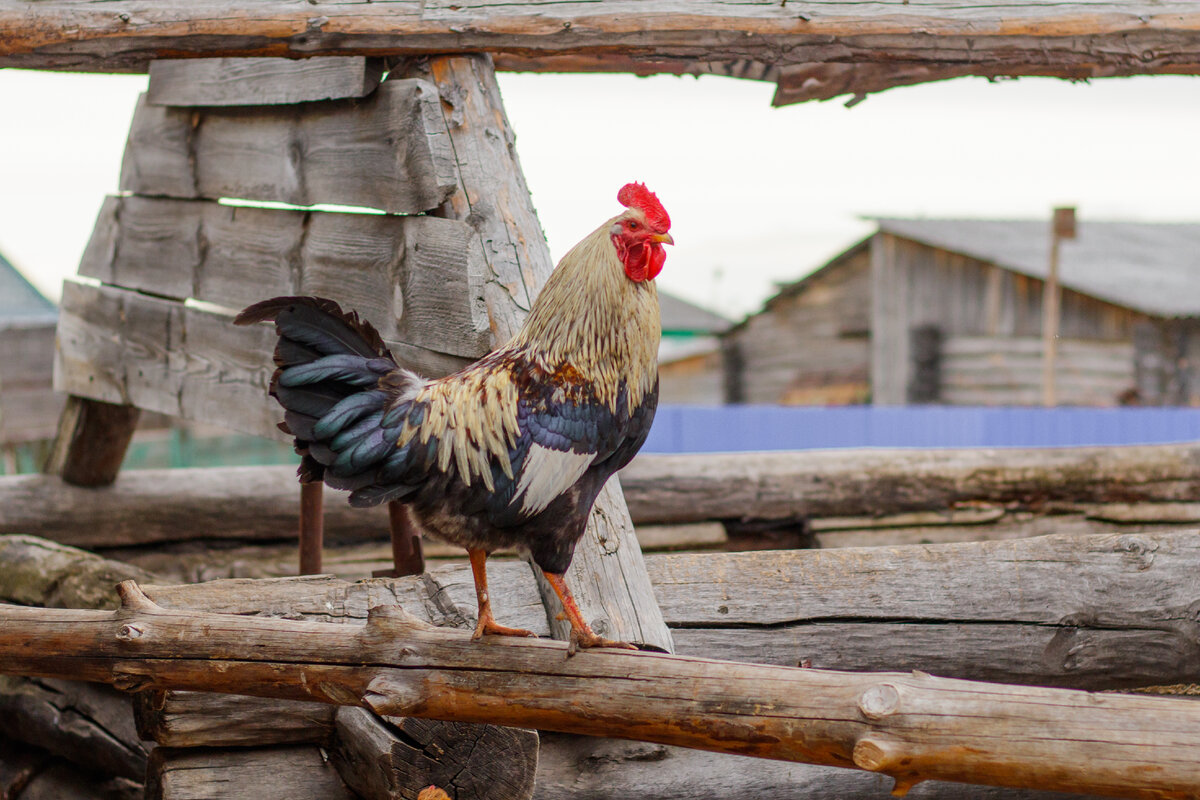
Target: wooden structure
[(950, 311), (458, 254), (810, 50), (872, 608), (28, 407)]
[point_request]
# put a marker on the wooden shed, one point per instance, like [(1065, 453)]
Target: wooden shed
[(28, 407), (950, 311)]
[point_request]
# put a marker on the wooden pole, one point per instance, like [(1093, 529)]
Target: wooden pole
[(312, 527), (913, 727), (1062, 227)]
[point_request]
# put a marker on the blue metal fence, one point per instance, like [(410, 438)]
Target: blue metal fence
[(699, 429)]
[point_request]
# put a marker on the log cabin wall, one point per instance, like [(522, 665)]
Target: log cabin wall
[(811, 344), (913, 285)]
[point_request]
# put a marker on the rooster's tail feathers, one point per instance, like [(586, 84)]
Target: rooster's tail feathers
[(347, 422)]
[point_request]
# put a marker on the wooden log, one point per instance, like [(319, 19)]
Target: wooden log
[(418, 280), (260, 81), (203, 719), (1089, 612), (1153, 484), (37, 572), (607, 575), (91, 441), (385, 151), (86, 724), (570, 767), (911, 727), (688, 488), (274, 773), (1077, 40), (396, 757)]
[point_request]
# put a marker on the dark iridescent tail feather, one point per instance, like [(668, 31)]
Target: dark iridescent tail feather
[(328, 366)]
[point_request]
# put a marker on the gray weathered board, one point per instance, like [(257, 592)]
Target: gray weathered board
[(123, 347), (387, 151), (260, 81), (301, 772), (418, 280)]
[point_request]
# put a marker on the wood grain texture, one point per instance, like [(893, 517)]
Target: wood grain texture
[(418, 280), (884, 43), (87, 724), (911, 727), (260, 81), (1094, 612), (377, 152), (606, 574), (396, 757), (836, 483), (268, 773), (93, 435), (130, 349), (202, 719)]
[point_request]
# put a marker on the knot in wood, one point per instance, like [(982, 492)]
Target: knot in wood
[(879, 701), (129, 633)]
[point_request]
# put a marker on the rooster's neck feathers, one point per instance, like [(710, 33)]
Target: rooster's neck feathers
[(591, 318)]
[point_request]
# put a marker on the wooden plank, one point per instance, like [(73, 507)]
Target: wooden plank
[(1076, 40), (418, 280), (93, 435), (260, 81), (269, 773), (122, 347), (607, 574), (379, 152)]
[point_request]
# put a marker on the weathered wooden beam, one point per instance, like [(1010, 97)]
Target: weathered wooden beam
[(123, 347), (203, 719), (260, 81), (385, 151), (893, 42), (299, 772), (418, 280), (911, 727), (607, 575), (839, 483), (85, 723)]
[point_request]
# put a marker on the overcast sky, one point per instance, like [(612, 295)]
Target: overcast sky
[(756, 195)]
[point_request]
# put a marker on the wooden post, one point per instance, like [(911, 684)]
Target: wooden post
[(407, 557), (608, 576), (1063, 227), (312, 527), (91, 442)]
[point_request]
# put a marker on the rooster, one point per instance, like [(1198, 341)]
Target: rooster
[(512, 450)]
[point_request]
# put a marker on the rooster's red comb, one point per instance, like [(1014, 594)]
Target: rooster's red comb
[(636, 195)]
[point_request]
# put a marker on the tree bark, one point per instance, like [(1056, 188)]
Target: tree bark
[(913, 727), (868, 46)]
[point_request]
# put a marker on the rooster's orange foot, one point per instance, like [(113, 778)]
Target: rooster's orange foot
[(489, 627)]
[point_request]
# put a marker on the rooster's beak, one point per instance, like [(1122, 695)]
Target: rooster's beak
[(663, 238)]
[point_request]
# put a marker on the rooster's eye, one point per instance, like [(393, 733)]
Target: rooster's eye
[(633, 226)]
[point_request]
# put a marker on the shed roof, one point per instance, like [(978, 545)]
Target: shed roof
[(19, 300), (680, 316), (1149, 267)]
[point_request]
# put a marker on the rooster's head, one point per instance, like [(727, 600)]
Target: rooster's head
[(640, 233)]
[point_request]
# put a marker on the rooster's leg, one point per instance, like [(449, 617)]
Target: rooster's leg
[(487, 623), (582, 632)]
